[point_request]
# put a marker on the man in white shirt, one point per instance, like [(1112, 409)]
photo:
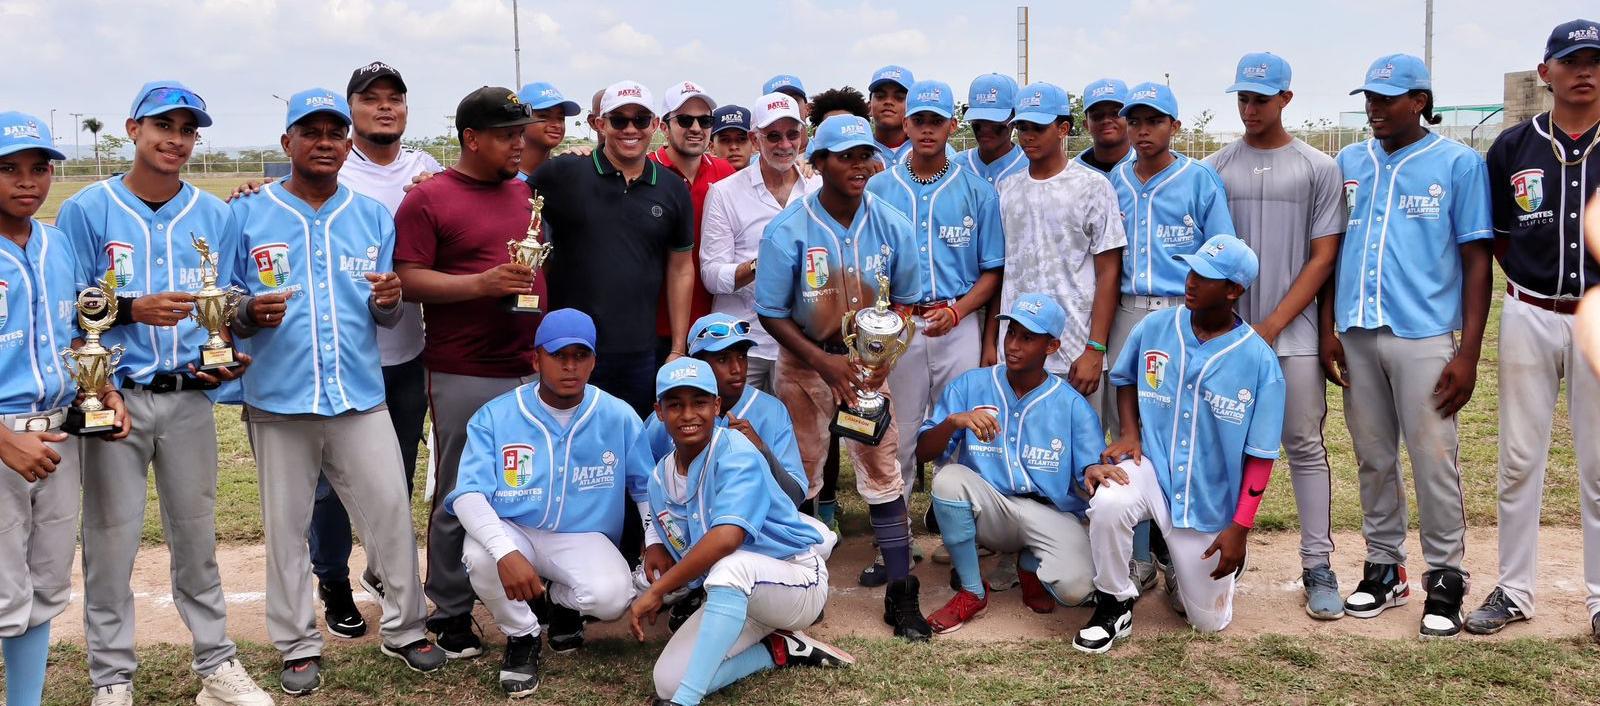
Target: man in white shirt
[(737, 210)]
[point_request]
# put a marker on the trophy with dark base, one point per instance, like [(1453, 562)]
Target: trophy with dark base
[(530, 253), (91, 363), (214, 308), (875, 338)]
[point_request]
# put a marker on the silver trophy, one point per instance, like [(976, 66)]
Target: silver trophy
[(875, 337)]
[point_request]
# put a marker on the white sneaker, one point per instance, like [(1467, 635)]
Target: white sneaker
[(114, 695), (230, 685)]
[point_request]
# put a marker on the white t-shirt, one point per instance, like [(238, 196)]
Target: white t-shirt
[(386, 184)]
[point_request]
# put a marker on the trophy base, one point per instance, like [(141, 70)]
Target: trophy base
[(857, 426), (522, 304), (100, 422), (214, 358)]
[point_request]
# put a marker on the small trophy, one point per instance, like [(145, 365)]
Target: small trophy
[(90, 364), (876, 337), (214, 308), (529, 253)]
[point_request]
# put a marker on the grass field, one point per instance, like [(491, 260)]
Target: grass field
[(62, 190)]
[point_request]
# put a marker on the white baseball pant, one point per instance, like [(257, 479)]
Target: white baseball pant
[(585, 570)]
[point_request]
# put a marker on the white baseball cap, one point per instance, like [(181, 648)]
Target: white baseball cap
[(680, 93), (624, 93), (773, 107)]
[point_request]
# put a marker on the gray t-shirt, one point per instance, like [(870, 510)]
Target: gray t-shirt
[(1281, 200)]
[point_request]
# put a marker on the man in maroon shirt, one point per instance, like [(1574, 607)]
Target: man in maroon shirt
[(450, 253)]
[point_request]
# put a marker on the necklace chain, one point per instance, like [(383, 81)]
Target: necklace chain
[(942, 171), (1555, 146)]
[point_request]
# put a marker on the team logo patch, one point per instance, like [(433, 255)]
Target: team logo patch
[(1245, 395), (1435, 190), (1188, 220), (817, 268), (610, 459), (1155, 368), (516, 464), (1527, 187), (5, 309), (672, 531), (655, 210), (272, 264), (993, 96), (1259, 71), (29, 129), (121, 256), (1350, 186)]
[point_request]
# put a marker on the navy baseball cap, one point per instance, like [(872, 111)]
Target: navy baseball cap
[(20, 131), (1396, 75), (1224, 257), (1261, 72), (898, 75), (157, 97), (784, 83), (730, 117), (685, 372), (931, 97), (991, 98), (1155, 95), (1569, 37), (718, 332), (1105, 89), (839, 133), (1039, 313), (562, 328), (316, 100), (1041, 103), (540, 95)]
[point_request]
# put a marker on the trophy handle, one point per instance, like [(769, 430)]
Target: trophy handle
[(848, 329), (68, 361), (116, 356)]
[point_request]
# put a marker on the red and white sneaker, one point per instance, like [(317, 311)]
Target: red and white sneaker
[(797, 649), (963, 608), (1034, 594)]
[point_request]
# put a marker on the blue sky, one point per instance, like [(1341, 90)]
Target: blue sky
[(89, 56)]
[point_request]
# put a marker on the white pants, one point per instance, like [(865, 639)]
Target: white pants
[(1113, 512), (929, 364), (585, 571)]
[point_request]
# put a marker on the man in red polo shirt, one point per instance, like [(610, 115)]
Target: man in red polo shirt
[(686, 113)]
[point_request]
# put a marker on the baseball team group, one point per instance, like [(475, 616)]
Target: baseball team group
[(1101, 355)]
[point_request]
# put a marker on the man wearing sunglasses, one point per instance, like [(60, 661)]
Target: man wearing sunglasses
[(550, 112), (996, 157)]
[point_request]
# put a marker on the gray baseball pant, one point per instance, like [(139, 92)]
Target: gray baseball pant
[(38, 523), (758, 374), (1006, 523), (1305, 409)]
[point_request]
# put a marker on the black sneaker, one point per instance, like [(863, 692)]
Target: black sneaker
[(903, 612), (1594, 626), (1441, 611), (421, 655), (680, 612), (1112, 620), (1495, 614), (797, 649), (519, 671), (566, 629), (875, 575), (456, 637), (1383, 586), (301, 676), (339, 609)]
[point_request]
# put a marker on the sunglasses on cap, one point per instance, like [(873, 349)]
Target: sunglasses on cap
[(172, 96), (687, 121), (639, 122), (775, 137), (724, 330)]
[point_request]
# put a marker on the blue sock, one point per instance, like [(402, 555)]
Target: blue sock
[(826, 510), (960, 531), (1026, 561), (721, 620), (893, 532), (1141, 541), (26, 656), (755, 658)]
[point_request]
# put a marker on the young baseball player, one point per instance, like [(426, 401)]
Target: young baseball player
[(540, 137), (820, 258), (719, 519), (730, 134), (316, 402), (1285, 199), (1541, 175), (1102, 115), (547, 473), (888, 90), (141, 227), (1413, 270), (989, 103), (1202, 412)]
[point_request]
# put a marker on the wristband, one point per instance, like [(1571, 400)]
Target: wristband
[(1095, 346), (124, 312)]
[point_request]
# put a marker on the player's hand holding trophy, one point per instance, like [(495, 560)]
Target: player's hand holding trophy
[(90, 364), (530, 253), (875, 337)]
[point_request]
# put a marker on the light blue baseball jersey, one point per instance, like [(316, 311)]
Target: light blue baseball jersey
[(1203, 407), (38, 318), (813, 269), (1082, 158), (992, 172), (766, 415), (1048, 436), (727, 484), (149, 252), (1172, 214), (892, 155), (956, 222), (541, 476), (1400, 260), (323, 357)]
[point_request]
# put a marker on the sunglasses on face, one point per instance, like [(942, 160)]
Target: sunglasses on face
[(687, 121), (621, 122), (724, 330), (774, 137)]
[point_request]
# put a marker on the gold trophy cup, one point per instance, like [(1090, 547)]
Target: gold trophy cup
[(91, 363), (530, 253), (214, 308), (875, 337)]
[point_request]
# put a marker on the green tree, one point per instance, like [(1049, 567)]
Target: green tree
[(94, 126)]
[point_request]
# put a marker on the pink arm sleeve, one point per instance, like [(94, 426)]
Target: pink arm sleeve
[(1257, 471)]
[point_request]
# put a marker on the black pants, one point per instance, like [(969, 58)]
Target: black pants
[(630, 377)]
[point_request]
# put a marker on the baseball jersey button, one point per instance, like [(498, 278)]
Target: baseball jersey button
[(1572, 276), (924, 198), (1574, 214), (327, 347), (1574, 245), (853, 300), (160, 261), (319, 253), (317, 223), (924, 249), (1185, 415), (1370, 299), (1574, 183), (49, 369), (324, 317), (160, 226), (322, 285)]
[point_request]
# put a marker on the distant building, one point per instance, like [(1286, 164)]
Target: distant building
[(1526, 96)]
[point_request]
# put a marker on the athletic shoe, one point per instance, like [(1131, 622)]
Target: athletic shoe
[(964, 607), (1382, 586), (372, 584), (1495, 614), (301, 676), (1034, 594), (456, 637), (1441, 611), (1112, 620), (231, 685), (566, 629), (339, 609), (1003, 577), (875, 575), (680, 612), (902, 611), (519, 670), (797, 649), (421, 655), (1169, 580), (1322, 593), (1594, 626), (931, 522), (1143, 574), (114, 695), (941, 555)]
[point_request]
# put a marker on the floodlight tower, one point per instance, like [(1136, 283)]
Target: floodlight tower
[(1022, 45)]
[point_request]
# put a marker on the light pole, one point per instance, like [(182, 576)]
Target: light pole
[(77, 130), (516, 42)]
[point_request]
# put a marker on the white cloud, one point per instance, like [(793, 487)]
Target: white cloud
[(624, 39), (890, 46), (1160, 10)]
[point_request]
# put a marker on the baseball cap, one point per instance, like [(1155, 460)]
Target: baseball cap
[(157, 97), (718, 332), (20, 131), (931, 97), (316, 100), (680, 93), (1569, 37), (785, 83), (624, 93), (1155, 95), (492, 107), (990, 97), (730, 117), (839, 133), (685, 372), (540, 95), (898, 75), (1224, 257), (363, 77), (774, 107), (562, 328), (1105, 89), (1039, 313), (1261, 72), (1041, 103), (1395, 75)]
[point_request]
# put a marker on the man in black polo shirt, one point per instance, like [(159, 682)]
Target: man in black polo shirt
[(621, 225), (1541, 173)]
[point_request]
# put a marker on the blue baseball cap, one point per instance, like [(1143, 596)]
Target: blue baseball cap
[(685, 372), (20, 131), (540, 95), (1396, 75), (1569, 37), (931, 97), (562, 328), (898, 75), (1041, 103), (730, 117), (316, 100), (1224, 257), (1105, 89), (991, 98), (1155, 95), (839, 133), (1261, 72), (784, 83), (1039, 313), (157, 97), (718, 332)]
